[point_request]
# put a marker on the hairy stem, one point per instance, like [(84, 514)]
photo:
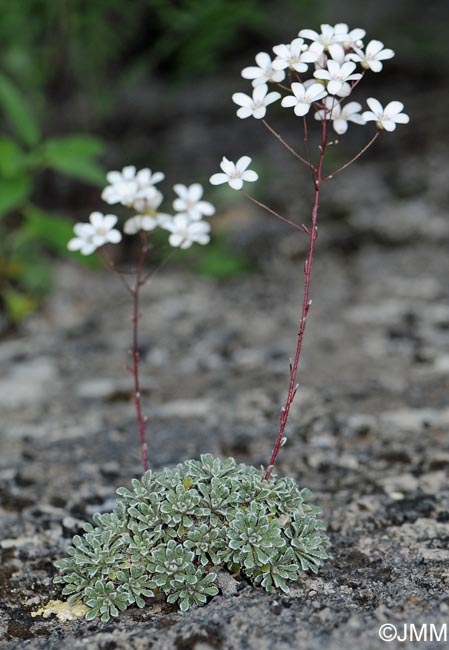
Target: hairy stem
[(361, 152), (305, 307), (135, 370), (287, 146), (273, 212)]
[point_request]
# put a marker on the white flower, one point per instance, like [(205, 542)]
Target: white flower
[(90, 236), (263, 72), (140, 222), (372, 57), (339, 115), (337, 77), (189, 202), (303, 97), (385, 118), (349, 38), (329, 39), (234, 174), (146, 178), (185, 232), (147, 199), (127, 186), (296, 55), (255, 105)]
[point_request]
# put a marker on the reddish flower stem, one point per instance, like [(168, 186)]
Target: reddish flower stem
[(305, 306), (361, 152), (135, 291), (276, 214)]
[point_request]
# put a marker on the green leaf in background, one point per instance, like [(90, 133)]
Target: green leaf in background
[(18, 305), (13, 192), (12, 157), (18, 113), (73, 155), (52, 230)]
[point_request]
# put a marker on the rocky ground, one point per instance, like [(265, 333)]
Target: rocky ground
[(368, 433)]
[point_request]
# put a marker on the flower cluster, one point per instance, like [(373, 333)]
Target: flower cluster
[(315, 73), (137, 190), (172, 532)]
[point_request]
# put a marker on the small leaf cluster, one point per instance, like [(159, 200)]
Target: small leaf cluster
[(175, 529)]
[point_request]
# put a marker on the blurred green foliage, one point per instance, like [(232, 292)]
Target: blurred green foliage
[(28, 233)]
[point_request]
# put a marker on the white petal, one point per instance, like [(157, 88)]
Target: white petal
[(88, 248), (373, 48), (289, 101), (235, 183), (299, 67), (162, 219), (250, 176), (385, 54), (282, 51), (280, 64), (75, 244), (195, 192), (392, 108), (242, 100), (149, 223), (310, 34), (301, 109), (263, 60), (218, 179), (109, 221), (200, 227), (243, 163), (368, 116), (206, 208), (340, 126), (110, 195), (351, 107), (175, 240), (375, 106), (114, 237), (179, 205), (129, 172), (259, 93), (181, 190), (375, 66), (132, 226), (299, 90), (315, 92), (322, 74), (96, 219), (402, 118), (251, 73), (245, 112), (203, 239), (227, 166), (114, 177), (347, 69), (356, 118), (83, 230), (334, 86), (259, 113), (388, 125), (334, 68), (157, 177)]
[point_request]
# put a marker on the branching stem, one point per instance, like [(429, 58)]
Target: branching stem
[(301, 227)]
